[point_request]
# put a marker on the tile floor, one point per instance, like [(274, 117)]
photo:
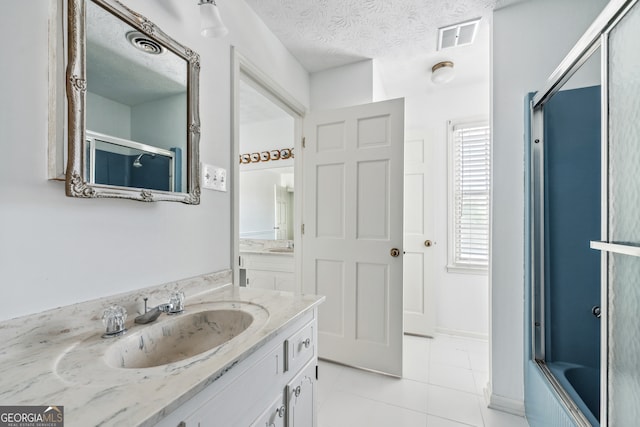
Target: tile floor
[(442, 386)]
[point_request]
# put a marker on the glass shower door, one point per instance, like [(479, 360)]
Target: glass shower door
[(624, 221)]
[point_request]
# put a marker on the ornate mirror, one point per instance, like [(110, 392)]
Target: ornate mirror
[(133, 122)]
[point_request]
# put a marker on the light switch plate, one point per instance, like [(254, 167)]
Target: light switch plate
[(214, 177)]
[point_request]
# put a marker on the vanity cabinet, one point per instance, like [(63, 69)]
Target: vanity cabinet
[(268, 271), (273, 387)]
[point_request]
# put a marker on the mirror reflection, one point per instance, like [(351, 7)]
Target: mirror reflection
[(266, 167), (266, 204), (136, 107), (115, 161)]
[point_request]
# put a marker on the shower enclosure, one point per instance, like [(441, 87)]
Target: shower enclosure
[(584, 195)]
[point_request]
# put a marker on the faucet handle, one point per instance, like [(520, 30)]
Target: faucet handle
[(113, 319), (177, 302)]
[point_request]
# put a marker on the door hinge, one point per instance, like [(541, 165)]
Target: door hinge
[(316, 372), (240, 261), (304, 142), (302, 228)]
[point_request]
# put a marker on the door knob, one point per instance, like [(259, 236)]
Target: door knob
[(395, 252), (428, 243)]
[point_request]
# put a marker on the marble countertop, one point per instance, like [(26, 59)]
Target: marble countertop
[(35, 349), (266, 247), (266, 252)]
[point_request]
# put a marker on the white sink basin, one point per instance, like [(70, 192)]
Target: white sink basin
[(183, 336), (198, 335)]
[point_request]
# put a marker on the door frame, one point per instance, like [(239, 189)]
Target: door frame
[(241, 66)]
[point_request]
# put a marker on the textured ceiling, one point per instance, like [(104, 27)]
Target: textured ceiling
[(323, 34), (120, 72)]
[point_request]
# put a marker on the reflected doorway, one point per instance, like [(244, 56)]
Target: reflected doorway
[(267, 200)]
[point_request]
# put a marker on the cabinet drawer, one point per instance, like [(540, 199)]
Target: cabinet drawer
[(274, 416), (300, 348)]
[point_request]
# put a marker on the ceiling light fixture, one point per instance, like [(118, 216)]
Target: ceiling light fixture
[(442, 72), (211, 24)]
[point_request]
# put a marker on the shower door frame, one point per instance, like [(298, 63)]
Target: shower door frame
[(596, 36)]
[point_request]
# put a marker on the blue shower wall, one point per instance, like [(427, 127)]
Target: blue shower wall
[(117, 169), (153, 175), (572, 220), (112, 168)]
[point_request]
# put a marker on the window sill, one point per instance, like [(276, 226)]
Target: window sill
[(481, 271)]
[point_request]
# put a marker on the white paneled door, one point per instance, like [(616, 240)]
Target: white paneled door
[(281, 225), (419, 310), (353, 191)]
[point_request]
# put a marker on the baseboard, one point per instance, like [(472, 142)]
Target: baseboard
[(504, 404), (462, 333)]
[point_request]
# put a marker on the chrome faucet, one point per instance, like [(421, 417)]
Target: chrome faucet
[(174, 306), (151, 315)]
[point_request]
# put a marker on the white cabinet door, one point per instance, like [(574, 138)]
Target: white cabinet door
[(353, 190), (301, 399), (419, 307), (239, 402), (261, 279)]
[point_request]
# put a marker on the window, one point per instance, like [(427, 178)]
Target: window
[(469, 181)]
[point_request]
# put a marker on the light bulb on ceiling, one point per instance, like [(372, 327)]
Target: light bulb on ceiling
[(442, 72), (211, 24)]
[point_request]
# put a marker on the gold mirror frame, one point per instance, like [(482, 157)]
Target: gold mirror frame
[(76, 81)]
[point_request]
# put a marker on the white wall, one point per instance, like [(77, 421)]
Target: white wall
[(161, 123), (56, 250), (107, 116), (266, 136), (529, 41), (379, 92), (351, 84), (461, 300)]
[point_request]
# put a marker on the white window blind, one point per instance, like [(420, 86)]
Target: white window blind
[(469, 187)]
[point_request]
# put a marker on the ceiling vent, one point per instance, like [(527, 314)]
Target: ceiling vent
[(458, 35), (144, 43)]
